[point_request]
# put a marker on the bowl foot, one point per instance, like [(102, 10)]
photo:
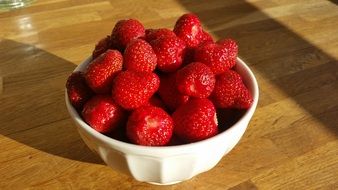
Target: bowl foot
[(171, 183)]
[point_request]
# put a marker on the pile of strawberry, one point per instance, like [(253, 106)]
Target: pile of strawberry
[(157, 84)]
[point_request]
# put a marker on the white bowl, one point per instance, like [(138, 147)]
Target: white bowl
[(170, 164)]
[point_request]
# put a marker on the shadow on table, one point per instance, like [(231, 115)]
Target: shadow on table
[(33, 111), (334, 1), (286, 60)]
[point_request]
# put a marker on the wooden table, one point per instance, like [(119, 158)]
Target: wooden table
[(292, 47)]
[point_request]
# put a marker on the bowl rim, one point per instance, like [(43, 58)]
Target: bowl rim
[(184, 147)]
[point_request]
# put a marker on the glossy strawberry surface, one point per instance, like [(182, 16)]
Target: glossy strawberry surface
[(133, 89), (78, 90), (154, 34), (150, 126), (139, 56), (216, 56), (188, 27), (195, 120), (230, 91), (101, 71), (169, 52), (103, 114), (125, 31), (169, 93), (196, 80)]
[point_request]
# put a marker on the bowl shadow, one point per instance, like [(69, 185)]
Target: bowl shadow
[(33, 111)]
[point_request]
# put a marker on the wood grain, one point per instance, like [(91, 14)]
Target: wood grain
[(292, 47)]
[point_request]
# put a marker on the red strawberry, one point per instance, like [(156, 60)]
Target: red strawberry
[(195, 79), (125, 31), (149, 126), (154, 34), (133, 89), (230, 45), (102, 46), (168, 92), (230, 91), (155, 101), (195, 120), (77, 89), (188, 27), (139, 56), (215, 56), (188, 56), (244, 99), (103, 114), (206, 38), (102, 70), (190, 52), (169, 52)]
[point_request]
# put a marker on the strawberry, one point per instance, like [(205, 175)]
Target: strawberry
[(190, 52), (188, 27), (168, 92), (244, 99), (206, 38), (230, 92), (102, 70), (77, 90), (169, 52), (102, 46), (139, 56), (155, 101), (188, 56), (125, 31), (215, 56), (103, 114), (133, 89), (149, 126), (154, 34), (195, 120), (230, 45), (196, 80)]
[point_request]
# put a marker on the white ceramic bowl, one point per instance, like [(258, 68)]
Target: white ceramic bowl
[(170, 164)]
